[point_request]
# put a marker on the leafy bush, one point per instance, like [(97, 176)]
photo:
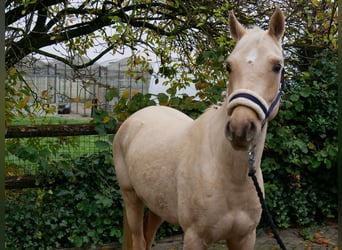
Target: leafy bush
[(84, 209), (81, 206), (300, 159)]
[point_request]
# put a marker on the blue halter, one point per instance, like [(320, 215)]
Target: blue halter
[(256, 100)]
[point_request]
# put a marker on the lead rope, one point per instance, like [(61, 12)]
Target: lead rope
[(251, 173)]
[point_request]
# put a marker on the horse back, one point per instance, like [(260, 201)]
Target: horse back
[(146, 151), (152, 124)]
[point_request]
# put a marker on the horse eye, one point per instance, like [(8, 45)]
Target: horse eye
[(276, 68), (228, 68)]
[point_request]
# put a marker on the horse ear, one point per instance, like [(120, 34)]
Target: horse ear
[(236, 29), (277, 24)]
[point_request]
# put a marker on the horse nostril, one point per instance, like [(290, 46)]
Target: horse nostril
[(245, 132), (228, 131), (251, 131)]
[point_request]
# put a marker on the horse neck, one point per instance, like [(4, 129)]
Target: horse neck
[(233, 163)]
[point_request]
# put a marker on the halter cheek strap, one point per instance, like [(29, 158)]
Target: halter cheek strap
[(248, 98)]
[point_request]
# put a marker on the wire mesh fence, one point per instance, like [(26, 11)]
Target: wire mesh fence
[(25, 156)]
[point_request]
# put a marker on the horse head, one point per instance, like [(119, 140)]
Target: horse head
[(255, 69)]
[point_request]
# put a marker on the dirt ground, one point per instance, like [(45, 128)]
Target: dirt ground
[(311, 238)]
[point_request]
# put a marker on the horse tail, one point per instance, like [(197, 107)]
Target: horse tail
[(127, 234)]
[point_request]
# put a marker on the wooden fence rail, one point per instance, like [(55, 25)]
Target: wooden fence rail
[(55, 130), (27, 181)]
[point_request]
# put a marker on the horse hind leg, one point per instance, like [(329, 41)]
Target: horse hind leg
[(133, 222), (151, 225), (139, 233)]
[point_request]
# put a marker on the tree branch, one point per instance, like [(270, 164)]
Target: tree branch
[(71, 64), (21, 11), (35, 40)]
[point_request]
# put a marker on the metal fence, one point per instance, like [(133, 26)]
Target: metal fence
[(24, 153), (53, 81)]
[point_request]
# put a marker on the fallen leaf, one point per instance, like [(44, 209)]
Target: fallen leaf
[(323, 241), (318, 235)]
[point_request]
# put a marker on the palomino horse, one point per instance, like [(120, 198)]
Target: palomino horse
[(194, 173)]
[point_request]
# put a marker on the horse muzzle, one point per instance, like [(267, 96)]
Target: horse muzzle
[(242, 128), (247, 115)]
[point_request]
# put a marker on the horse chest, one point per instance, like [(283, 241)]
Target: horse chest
[(234, 224), (219, 215)]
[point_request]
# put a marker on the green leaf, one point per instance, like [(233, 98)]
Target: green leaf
[(163, 98), (100, 129), (102, 144), (105, 201), (306, 92), (306, 74), (294, 97), (112, 93)]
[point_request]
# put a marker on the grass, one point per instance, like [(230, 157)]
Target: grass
[(49, 120)]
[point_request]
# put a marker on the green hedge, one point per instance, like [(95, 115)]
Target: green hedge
[(300, 157), (85, 209), (82, 208)]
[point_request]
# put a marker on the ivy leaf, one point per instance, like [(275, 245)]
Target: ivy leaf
[(306, 92), (105, 201), (102, 144), (100, 129), (294, 97)]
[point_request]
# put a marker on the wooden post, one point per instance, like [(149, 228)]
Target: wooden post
[(2, 124)]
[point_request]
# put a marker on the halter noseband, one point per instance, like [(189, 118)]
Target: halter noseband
[(251, 99)]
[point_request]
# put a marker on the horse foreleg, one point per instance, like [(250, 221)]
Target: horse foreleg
[(245, 243), (134, 209), (151, 225), (193, 241)]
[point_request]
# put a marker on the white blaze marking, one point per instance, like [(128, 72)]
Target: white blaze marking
[(251, 57)]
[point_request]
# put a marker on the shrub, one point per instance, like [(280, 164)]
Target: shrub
[(81, 206), (300, 158), (83, 210)]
